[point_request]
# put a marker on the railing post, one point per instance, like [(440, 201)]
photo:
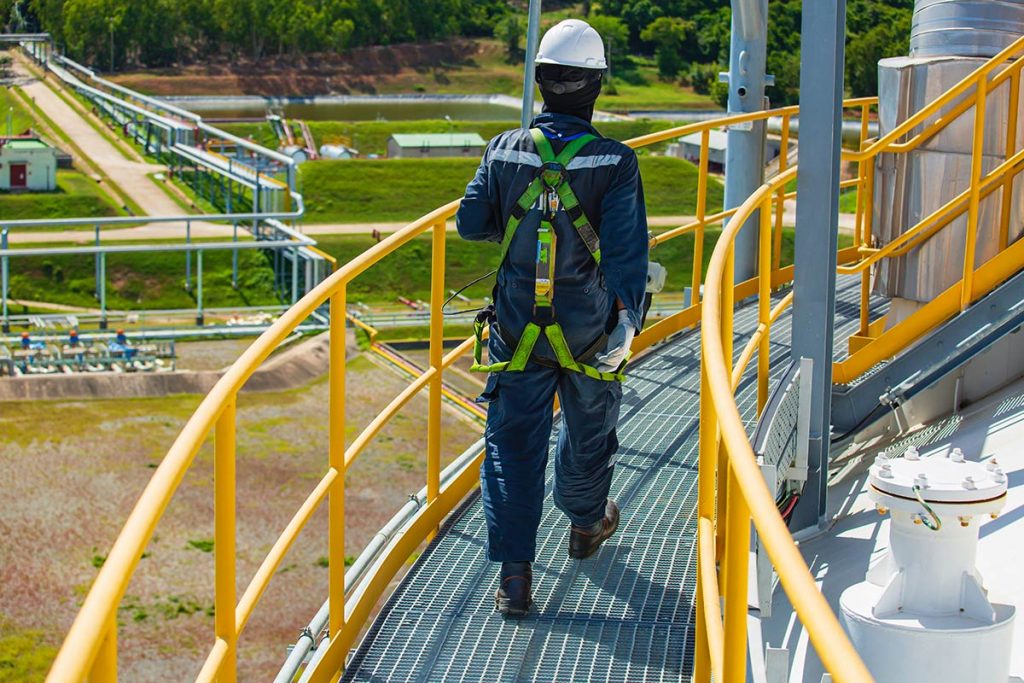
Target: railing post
[(865, 203), (1011, 146), (707, 454), (735, 570), (780, 206), (104, 667), (726, 311), (764, 301), (977, 149), (4, 276), (188, 257), (224, 539), (336, 498), (437, 296), (199, 288), (702, 199)]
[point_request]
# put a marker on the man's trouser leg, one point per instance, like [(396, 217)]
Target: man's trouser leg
[(512, 475), (586, 446)]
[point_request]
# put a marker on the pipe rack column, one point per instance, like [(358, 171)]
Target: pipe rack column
[(101, 285), (199, 288), (4, 275), (744, 156), (532, 39), (817, 219)]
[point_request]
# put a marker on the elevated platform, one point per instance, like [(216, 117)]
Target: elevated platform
[(626, 614)]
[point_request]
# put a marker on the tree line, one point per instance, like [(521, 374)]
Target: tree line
[(156, 33), (689, 39)]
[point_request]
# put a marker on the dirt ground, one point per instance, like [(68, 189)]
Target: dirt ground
[(71, 473), (360, 71)]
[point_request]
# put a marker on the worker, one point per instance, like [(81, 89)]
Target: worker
[(567, 207), (73, 340), (26, 340)]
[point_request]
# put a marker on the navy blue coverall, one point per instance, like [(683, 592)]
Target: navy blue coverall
[(605, 178)]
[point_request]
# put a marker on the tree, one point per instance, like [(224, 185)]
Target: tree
[(510, 31), (614, 34), (668, 34), (864, 51)]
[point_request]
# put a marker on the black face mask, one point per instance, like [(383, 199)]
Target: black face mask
[(569, 91)]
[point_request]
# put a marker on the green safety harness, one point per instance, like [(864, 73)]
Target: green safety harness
[(552, 181)]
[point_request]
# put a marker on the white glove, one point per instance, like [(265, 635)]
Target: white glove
[(619, 342)]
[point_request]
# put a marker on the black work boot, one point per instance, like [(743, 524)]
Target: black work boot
[(584, 541), (513, 597)]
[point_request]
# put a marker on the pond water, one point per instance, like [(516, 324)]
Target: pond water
[(352, 109)]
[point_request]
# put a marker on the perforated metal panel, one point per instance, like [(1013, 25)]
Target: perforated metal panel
[(625, 614)]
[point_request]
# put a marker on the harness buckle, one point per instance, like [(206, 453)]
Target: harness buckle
[(543, 316), (552, 175)]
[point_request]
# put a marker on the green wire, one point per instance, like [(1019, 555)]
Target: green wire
[(937, 524)]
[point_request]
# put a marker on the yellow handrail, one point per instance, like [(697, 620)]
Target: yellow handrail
[(91, 645), (748, 496)]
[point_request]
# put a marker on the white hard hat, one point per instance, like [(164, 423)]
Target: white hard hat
[(572, 43)]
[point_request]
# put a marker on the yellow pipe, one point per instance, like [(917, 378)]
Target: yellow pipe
[(828, 637), (764, 302), (224, 540), (437, 297), (1011, 144), (780, 202), (261, 579), (710, 623), (392, 560), (726, 342), (734, 576), (104, 669), (932, 314), (336, 461), (977, 151), (214, 661), (698, 237)]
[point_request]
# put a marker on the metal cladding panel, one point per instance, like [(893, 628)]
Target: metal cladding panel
[(909, 187), (975, 28)]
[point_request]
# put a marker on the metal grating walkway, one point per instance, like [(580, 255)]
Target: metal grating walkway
[(625, 614)]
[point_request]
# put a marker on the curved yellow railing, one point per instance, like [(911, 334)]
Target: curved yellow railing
[(732, 491), (90, 648)]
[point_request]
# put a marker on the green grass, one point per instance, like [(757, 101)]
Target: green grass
[(24, 655), (21, 120), (371, 137), (144, 280), (368, 190), (76, 195), (650, 93)]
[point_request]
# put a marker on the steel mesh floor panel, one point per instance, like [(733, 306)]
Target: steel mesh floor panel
[(625, 614)]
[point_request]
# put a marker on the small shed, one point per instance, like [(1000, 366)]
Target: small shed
[(27, 164), (718, 143), (435, 145)]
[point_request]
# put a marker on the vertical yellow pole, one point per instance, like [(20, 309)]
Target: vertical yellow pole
[(865, 278), (224, 539), (780, 205), (336, 461), (436, 353), (698, 235), (728, 295), (104, 667), (764, 300), (707, 456), (977, 150), (1011, 148), (734, 577), (860, 237)]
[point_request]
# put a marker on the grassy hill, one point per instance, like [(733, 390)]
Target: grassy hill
[(393, 190)]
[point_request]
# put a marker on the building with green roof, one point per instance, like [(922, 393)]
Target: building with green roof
[(435, 145), (27, 164)]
